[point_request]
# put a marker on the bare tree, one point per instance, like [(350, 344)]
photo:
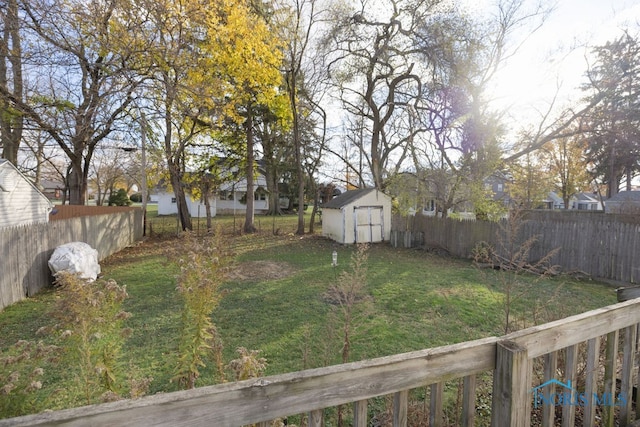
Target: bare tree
[(107, 173), (378, 74), (297, 20), (87, 51), (462, 144)]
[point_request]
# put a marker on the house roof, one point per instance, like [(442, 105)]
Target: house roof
[(553, 197), (586, 197), (4, 163), (346, 198), (47, 184), (625, 196)]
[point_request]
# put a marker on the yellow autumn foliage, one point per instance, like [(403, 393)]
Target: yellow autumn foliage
[(242, 61)]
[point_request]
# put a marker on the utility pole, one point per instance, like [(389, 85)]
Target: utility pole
[(143, 160)]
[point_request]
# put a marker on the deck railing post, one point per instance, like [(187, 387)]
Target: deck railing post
[(511, 405), (436, 415), (316, 418), (400, 408), (360, 413), (628, 368), (469, 401)]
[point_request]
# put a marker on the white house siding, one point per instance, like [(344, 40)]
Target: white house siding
[(231, 207), (167, 206), (197, 209), (21, 202), (221, 204), (332, 224)]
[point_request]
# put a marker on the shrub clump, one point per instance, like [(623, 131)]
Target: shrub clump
[(92, 324), (22, 375), (204, 264)]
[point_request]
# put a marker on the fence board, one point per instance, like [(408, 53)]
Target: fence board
[(601, 245), (25, 250), (254, 401)]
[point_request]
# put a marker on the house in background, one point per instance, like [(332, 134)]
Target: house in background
[(498, 183), (53, 190), (358, 216), (230, 199), (21, 202), (167, 204), (496, 187), (625, 202), (553, 201), (580, 201), (586, 202)]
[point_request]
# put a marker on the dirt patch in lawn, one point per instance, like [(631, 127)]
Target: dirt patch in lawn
[(251, 271)]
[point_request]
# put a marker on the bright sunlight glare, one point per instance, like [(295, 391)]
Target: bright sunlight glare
[(552, 61)]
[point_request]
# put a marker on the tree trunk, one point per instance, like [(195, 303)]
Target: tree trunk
[(297, 145), (76, 185), (316, 201), (207, 209), (11, 125), (181, 199), (206, 195), (249, 214)]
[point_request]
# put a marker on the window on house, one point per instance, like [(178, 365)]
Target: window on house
[(430, 206), (173, 200), (499, 187)]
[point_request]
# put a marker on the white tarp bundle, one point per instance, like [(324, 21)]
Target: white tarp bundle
[(75, 257)]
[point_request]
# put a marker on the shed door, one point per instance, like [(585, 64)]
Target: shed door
[(368, 224)]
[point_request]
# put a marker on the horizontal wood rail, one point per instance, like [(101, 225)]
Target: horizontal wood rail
[(310, 391)]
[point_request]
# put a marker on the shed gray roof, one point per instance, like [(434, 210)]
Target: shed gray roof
[(626, 196), (346, 198)]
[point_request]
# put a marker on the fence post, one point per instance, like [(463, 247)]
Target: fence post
[(511, 404)]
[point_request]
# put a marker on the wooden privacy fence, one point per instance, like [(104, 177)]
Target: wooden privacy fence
[(601, 245), (25, 250), (566, 351), (60, 212)]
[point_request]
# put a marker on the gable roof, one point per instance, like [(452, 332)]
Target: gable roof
[(4, 163), (586, 197), (626, 196), (346, 198)]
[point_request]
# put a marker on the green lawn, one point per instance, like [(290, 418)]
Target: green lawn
[(277, 304)]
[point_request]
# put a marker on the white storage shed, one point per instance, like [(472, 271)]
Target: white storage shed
[(358, 216), (21, 202)]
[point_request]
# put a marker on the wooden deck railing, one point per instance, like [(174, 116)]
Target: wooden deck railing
[(510, 359)]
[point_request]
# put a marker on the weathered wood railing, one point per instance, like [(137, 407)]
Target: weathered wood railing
[(510, 358)]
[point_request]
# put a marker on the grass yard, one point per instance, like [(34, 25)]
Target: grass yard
[(275, 301)]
